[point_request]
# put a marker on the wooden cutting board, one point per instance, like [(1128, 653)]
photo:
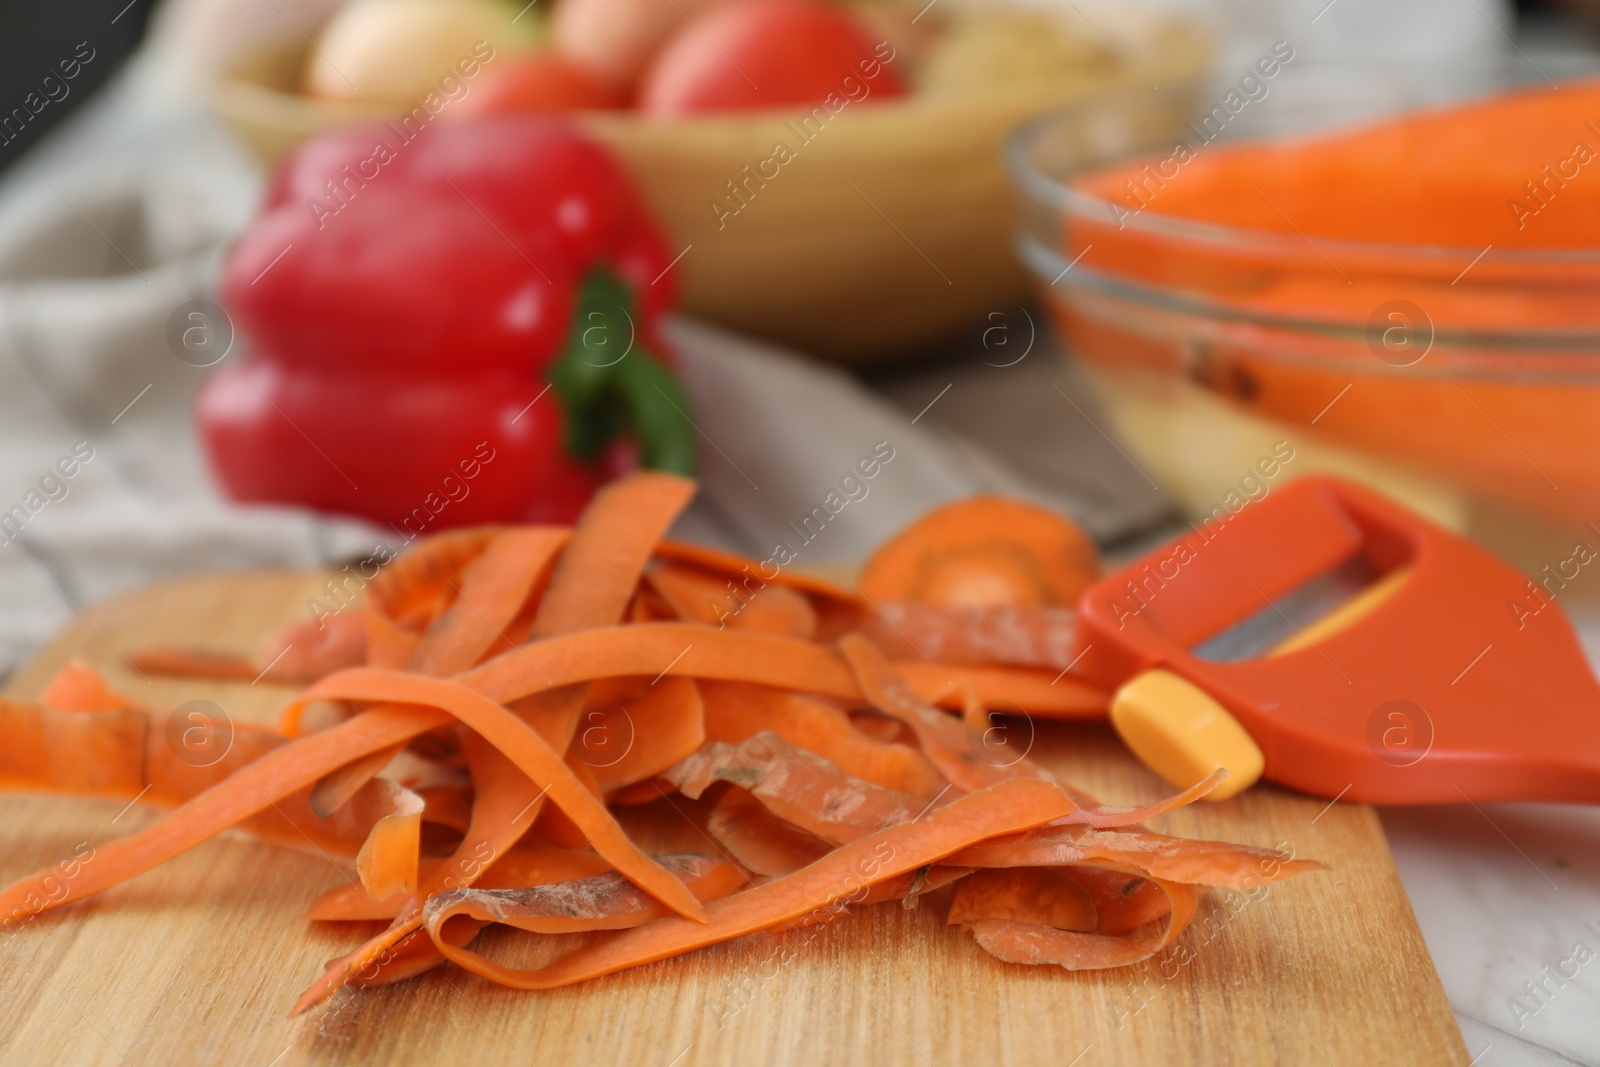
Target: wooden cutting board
[(198, 961)]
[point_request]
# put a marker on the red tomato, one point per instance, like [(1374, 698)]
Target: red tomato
[(768, 54), (543, 81)]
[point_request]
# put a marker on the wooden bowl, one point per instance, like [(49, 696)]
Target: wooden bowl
[(889, 228)]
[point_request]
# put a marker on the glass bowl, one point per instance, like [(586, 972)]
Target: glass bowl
[(1463, 380)]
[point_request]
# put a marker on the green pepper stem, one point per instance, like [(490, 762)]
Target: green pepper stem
[(610, 385)]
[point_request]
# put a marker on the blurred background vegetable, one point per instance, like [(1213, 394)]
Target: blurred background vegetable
[(412, 300)]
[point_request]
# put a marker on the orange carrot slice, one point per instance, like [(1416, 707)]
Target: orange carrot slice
[(679, 649), (130, 754), (613, 540), (553, 823), (800, 788), (387, 862), (1023, 637), (533, 756), (493, 587), (304, 651), (695, 596), (185, 663), (387, 644), (79, 687), (734, 712), (657, 649), (491, 591), (1155, 856), (742, 570), (778, 610), (1111, 816), (1024, 894), (1015, 690), (418, 581), (1036, 944), (944, 741), (446, 805), (642, 793), (1008, 807), (523, 866), (603, 902), (629, 735), (760, 840), (986, 551), (1123, 901), (410, 955), (251, 788), (906, 888)]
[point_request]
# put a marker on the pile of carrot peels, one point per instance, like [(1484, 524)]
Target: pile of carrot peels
[(442, 742)]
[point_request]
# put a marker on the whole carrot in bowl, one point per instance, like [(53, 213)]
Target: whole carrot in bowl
[(1412, 298)]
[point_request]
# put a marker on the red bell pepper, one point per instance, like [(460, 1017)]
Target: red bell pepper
[(450, 326)]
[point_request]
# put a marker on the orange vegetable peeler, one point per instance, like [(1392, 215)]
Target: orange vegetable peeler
[(1327, 639)]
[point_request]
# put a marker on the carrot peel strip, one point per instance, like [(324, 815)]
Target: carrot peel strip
[(532, 755), (542, 685), (1010, 806), (1035, 943), (1024, 894), (602, 902), (253, 787), (387, 862), (944, 741), (803, 789)]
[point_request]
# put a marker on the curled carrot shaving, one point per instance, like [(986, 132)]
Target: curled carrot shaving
[(531, 754), (734, 712), (760, 840), (1152, 855), (944, 741), (630, 735), (603, 902), (79, 687), (750, 605), (1037, 944), (1017, 690), (277, 773), (803, 789), (560, 700), (1023, 637), (1024, 894), (1013, 805), (743, 570), (488, 597), (525, 865), (387, 862), (614, 538)]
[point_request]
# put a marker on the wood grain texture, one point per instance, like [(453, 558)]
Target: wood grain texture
[(198, 961)]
